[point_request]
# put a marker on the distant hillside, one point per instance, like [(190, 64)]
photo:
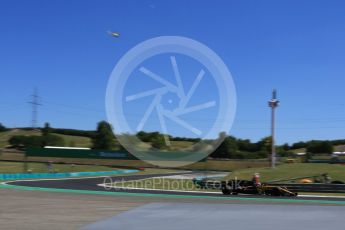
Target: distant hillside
[(337, 148), (82, 138), (71, 137), (76, 141), (5, 136), (71, 141)]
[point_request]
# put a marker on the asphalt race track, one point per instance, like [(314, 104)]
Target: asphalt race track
[(91, 184), (172, 216)]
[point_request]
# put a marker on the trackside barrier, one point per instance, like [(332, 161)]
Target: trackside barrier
[(21, 176)]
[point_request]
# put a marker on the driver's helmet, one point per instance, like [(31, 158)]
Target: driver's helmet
[(256, 179)]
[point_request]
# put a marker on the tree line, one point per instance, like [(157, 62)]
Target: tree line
[(231, 148)]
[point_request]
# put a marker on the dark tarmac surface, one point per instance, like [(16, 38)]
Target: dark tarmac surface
[(91, 184)]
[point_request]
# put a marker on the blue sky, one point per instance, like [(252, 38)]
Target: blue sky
[(61, 47)]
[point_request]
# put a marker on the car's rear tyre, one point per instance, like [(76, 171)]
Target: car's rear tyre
[(226, 191)]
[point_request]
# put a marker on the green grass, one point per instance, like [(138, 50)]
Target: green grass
[(209, 165), (174, 145), (178, 145), (17, 167), (326, 157), (75, 141), (228, 165), (286, 171), (302, 150), (339, 148)]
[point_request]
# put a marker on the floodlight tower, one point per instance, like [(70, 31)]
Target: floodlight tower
[(273, 103)]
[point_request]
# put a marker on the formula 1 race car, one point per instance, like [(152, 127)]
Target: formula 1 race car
[(234, 187)]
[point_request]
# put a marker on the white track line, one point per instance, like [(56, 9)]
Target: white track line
[(90, 177), (66, 178)]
